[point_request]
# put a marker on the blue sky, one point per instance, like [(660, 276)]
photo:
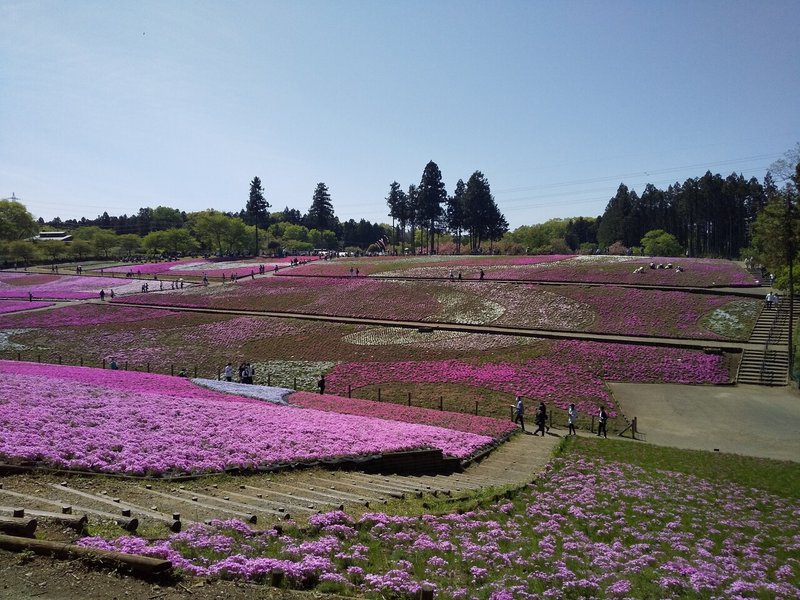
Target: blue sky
[(113, 106)]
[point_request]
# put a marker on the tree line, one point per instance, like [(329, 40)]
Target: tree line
[(703, 216), (469, 215)]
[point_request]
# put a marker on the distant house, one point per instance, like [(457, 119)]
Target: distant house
[(58, 236)]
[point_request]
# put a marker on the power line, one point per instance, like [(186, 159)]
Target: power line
[(647, 173)]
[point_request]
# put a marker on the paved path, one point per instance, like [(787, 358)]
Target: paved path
[(751, 420)]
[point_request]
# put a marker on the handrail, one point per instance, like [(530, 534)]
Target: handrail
[(773, 328)]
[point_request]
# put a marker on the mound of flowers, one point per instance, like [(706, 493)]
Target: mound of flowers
[(495, 428), (573, 371), (589, 529), (127, 422)]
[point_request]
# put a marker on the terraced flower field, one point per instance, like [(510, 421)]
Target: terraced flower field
[(616, 310), (695, 272)]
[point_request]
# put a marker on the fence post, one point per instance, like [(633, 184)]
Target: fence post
[(269, 378), (81, 361), (409, 398), (348, 391), (592, 429), (148, 367), (39, 357), (476, 407), (635, 430), (379, 394), (59, 359), (19, 357), (172, 370), (195, 371), (441, 406), (219, 374), (126, 365), (104, 363), (295, 382), (426, 591)]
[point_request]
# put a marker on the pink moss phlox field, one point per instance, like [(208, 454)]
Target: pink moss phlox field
[(66, 287), (126, 422), (417, 266), (196, 267), (629, 311), (697, 272), (10, 307), (587, 529), (495, 428), (573, 371), (84, 315)]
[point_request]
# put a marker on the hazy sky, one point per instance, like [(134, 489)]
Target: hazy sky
[(112, 105)]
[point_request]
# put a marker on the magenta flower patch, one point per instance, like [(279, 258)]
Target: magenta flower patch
[(10, 307), (495, 428), (573, 371), (125, 422)]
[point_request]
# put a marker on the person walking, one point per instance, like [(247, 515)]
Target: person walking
[(601, 427), (519, 413), (541, 418), (102, 295), (321, 384), (229, 372), (572, 417)]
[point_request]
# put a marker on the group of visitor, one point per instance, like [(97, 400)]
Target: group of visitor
[(541, 418), (772, 299), (246, 372)]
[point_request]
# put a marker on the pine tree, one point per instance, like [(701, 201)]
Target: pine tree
[(431, 195), (256, 209), (320, 214)]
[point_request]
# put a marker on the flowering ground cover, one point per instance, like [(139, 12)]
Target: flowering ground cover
[(10, 307), (82, 315), (570, 371), (589, 528), (416, 266), (605, 309), (629, 311), (196, 267), (61, 287), (122, 422), (697, 272), (496, 428)]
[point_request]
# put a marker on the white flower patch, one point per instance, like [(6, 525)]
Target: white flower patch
[(276, 395), (458, 307), (600, 258), (390, 336), (286, 372), (733, 320), (7, 344)]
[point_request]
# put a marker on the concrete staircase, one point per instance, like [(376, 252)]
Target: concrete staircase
[(770, 364)]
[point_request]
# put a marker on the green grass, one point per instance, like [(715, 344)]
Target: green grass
[(777, 477)]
